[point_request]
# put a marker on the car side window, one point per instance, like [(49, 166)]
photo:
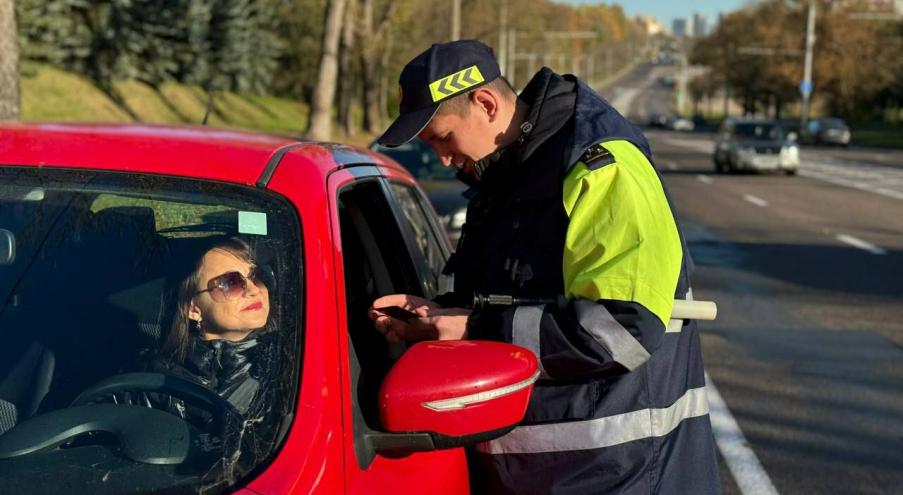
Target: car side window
[(376, 262), (425, 238)]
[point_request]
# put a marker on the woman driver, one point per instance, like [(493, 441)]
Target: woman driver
[(222, 335)]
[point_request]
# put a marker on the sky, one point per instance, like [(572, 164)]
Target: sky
[(666, 10)]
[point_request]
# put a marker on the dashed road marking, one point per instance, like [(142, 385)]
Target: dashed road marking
[(755, 200), (859, 243), (748, 472), (705, 179)]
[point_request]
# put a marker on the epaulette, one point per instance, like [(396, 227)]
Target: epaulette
[(596, 156)]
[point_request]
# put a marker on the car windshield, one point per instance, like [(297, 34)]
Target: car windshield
[(99, 274), (758, 131), (420, 160)]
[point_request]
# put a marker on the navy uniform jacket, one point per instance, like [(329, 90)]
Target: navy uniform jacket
[(575, 208)]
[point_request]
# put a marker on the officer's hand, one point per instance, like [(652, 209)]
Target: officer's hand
[(405, 301), (431, 323), (445, 323), (393, 328)]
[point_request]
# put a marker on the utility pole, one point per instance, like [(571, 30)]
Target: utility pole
[(503, 37), (455, 20), (512, 57), (806, 85)]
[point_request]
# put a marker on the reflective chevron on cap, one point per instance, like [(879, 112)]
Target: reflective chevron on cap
[(453, 84)]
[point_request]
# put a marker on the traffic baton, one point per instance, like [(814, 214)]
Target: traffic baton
[(694, 310)]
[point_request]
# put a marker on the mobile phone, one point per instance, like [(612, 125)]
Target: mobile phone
[(397, 312)]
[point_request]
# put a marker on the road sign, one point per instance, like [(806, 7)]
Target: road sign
[(805, 87)]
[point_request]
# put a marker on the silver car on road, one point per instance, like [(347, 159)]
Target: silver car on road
[(755, 145)]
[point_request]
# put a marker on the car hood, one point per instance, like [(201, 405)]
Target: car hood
[(445, 195)]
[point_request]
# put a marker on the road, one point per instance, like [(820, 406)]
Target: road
[(807, 271)]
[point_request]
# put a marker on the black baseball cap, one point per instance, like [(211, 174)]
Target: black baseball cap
[(441, 72)]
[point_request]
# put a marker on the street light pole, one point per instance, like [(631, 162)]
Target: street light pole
[(503, 38), (512, 57), (456, 20), (806, 85)]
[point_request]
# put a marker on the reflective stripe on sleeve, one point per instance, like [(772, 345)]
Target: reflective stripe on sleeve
[(601, 432), (525, 332), (623, 347)]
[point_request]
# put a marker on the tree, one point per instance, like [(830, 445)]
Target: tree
[(9, 62), (854, 60), (320, 120), (301, 31), (346, 71), (245, 47), (373, 40), (58, 32)]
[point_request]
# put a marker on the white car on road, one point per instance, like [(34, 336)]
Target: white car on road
[(755, 145)]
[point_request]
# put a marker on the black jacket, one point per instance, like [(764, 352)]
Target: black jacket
[(240, 372)]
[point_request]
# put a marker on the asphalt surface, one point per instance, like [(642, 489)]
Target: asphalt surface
[(807, 271)]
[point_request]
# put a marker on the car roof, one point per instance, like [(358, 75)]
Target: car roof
[(193, 151)]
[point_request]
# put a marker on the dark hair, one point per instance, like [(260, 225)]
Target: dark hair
[(179, 341), (460, 105)]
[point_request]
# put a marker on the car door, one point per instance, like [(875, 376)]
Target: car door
[(374, 257)]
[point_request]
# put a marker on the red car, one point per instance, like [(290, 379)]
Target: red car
[(98, 225)]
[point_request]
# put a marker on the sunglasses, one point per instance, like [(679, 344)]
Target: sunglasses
[(232, 285)]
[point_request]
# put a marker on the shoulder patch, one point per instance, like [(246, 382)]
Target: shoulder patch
[(596, 156)]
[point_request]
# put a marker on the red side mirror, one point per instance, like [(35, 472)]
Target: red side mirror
[(463, 391)]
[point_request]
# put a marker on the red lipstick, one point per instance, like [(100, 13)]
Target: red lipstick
[(253, 306)]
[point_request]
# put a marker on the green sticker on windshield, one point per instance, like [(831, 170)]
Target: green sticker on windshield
[(252, 222)]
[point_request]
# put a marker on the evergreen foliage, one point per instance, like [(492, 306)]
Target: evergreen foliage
[(218, 44)]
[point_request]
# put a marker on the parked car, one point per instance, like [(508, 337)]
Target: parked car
[(658, 120), (98, 225), (678, 123), (755, 145), (826, 130), (442, 187)]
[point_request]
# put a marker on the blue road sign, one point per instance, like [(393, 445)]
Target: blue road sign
[(805, 87)]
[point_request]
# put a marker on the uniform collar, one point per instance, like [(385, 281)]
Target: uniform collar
[(551, 99)]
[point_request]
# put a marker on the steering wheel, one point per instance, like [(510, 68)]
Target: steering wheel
[(148, 435), (181, 388)]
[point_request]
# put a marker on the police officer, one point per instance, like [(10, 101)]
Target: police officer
[(571, 233)]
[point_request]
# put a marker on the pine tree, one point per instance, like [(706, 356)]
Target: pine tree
[(58, 32), (246, 46), (146, 36)]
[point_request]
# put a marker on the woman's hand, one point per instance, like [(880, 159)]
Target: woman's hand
[(431, 323)]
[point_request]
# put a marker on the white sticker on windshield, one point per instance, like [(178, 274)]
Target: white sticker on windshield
[(252, 222)]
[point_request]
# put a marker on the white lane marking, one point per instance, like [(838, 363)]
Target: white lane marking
[(748, 472), (755, 200), (889, 193), (705, 179), (859, 243), (624, 99)]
